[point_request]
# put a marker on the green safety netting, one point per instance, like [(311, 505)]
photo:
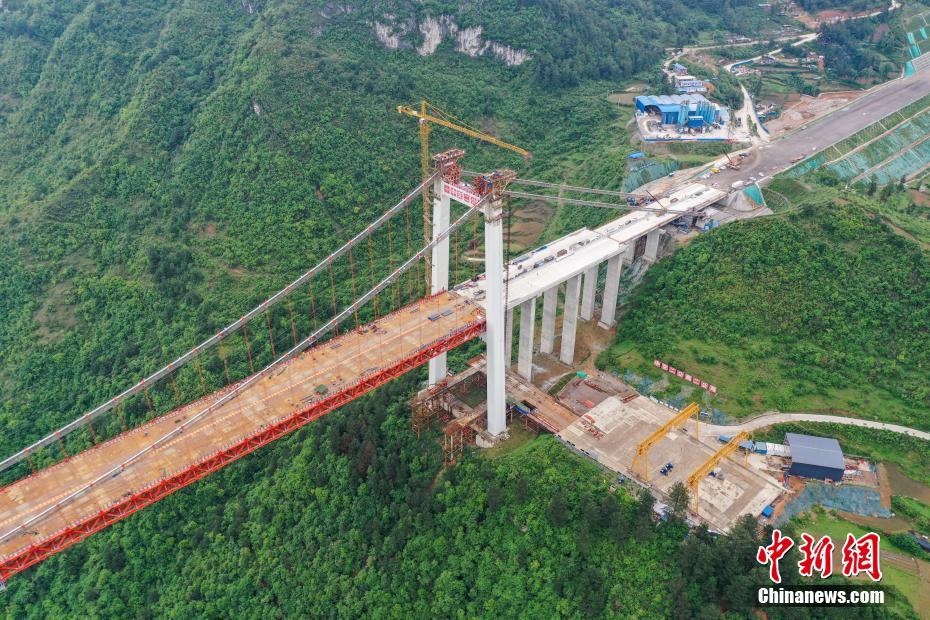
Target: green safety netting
[(646, 170), (892, 146), (755, 194), (907, 163)]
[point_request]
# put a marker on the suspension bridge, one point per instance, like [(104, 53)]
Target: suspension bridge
[(406, 317)]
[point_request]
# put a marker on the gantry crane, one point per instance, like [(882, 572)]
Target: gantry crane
[(428, 113), (694, 480), (642, 450)]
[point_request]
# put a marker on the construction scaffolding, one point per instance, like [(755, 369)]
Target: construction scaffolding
[(455, 436), (423, 412)]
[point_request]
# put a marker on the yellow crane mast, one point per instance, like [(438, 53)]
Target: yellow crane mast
[(641, 460), (427, 114), (694, 480)]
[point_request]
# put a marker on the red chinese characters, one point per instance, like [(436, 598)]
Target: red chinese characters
[(818, 556), (774, 552), (860, 555)]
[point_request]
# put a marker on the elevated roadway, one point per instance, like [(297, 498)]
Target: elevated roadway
[(530, 275), (62, 504)]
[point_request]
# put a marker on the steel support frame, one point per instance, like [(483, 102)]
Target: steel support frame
[(81, 530)]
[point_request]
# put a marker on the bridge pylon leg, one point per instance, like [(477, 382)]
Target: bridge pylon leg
[(439, 277), (496, 328)]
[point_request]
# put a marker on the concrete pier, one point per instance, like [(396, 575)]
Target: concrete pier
[(589, 293), (611, 289), (570, 319), (550, 307), (527, 329), (652, 245)]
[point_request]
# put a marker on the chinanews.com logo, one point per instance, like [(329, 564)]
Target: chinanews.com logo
[(859, 556)]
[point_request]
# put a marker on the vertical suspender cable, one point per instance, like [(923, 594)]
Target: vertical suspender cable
[(354, 290), (270, 331), (332, 288), (248, 346), (290, 307)]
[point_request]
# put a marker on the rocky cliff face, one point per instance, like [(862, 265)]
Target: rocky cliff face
[(434, 30), (391, 34)]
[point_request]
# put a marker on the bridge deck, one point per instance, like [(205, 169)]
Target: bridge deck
[(400, 341)]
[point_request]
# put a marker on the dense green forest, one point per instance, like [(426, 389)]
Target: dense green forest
[(863, 49), (825, 307), (351, 518), (164, 166)]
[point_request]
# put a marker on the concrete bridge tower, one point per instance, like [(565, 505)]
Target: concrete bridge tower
[(485, 194), (439, 278), (495, 315)]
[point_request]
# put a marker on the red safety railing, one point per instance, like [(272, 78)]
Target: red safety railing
[(64, 538)]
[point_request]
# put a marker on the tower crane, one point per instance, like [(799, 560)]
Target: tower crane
[(430, 114)]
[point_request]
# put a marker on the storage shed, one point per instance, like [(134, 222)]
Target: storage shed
[(815, 457)]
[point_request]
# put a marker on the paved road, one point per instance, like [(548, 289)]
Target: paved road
[(776, 156), (774, 417)]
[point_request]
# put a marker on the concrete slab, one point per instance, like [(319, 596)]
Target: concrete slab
[(533, 273), (611, 431)]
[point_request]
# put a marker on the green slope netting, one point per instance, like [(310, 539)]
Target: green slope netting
[(848, 497), (915, 158), (894, 143), (644, 171), (895, 140)]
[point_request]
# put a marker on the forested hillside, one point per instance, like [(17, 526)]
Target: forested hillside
[(164, 166), (824, 308)]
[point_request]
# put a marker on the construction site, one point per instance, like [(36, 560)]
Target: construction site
[(658, 447), (528, 310)]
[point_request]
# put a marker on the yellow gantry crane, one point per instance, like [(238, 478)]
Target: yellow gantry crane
[(428, 113), (641, 460), (694, 480)]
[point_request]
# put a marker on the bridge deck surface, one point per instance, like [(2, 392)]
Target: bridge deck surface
[(336, 363)]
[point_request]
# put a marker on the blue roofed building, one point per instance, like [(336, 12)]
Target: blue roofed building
[(688, 110), (815, 457)]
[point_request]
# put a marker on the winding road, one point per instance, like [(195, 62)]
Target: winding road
[(774, 417)]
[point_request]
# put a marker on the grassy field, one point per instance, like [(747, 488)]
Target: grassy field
[(751, 381), (907, 574), (520, 439)]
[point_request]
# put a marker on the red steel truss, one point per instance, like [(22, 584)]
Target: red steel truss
[(81, 530)]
